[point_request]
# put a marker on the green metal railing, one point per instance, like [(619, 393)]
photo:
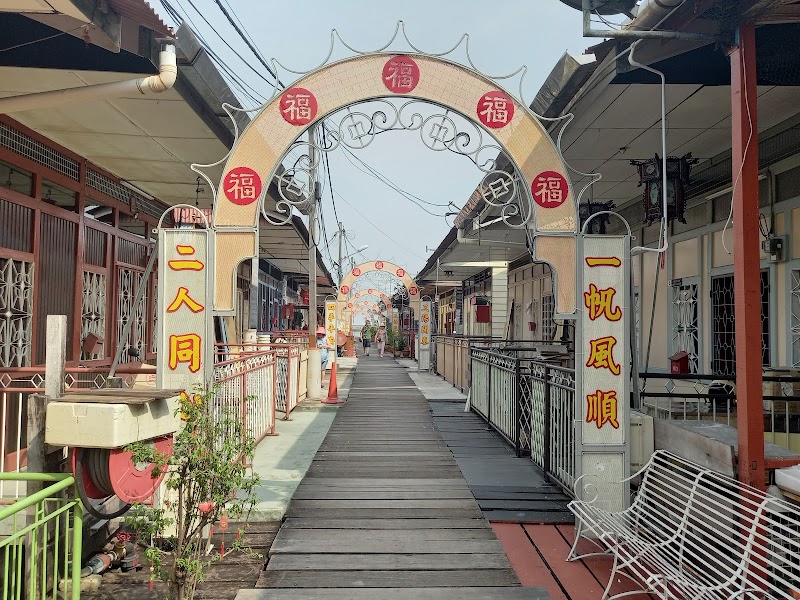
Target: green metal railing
[(41, 539)]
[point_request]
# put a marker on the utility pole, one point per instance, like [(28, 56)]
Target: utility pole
[(338, 308), (314, 360)]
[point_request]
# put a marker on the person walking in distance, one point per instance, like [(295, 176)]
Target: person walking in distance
[(322, 344), (365, 342), (380, 339)]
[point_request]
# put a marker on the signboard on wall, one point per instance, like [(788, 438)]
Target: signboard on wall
[(330, 323), (395, 320), (185, 342), (425, 332), (602, 363)]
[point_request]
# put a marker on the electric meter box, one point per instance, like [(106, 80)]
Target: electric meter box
[(111, 418)]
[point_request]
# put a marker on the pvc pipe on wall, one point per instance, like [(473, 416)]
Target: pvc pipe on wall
[(154, 84)]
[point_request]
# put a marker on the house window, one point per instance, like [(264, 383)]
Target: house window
[(548, 323), (685, 323), (723, 329)]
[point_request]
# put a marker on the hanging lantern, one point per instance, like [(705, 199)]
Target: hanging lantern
[(651, 177), (598, 224)]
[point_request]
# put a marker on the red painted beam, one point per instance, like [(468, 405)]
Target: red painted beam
[(747, 261)]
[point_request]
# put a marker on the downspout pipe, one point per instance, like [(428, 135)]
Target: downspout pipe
[(154, 84)]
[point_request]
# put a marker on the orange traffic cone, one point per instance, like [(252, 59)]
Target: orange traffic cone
[(333, 389)]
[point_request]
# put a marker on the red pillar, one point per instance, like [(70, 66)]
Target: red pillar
[(747, 261)]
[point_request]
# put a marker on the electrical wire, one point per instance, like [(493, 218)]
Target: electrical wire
[(248, 42), (246, 90), (746, 150), (230, 47), (398, 190), (44, 39), (370, 222)]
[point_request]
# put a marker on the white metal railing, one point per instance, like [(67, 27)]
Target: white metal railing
[(247, 385), (530, 403), (290, 385)]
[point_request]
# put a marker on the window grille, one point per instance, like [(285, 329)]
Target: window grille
[(108, 186), (93, 311), (128, 281), (16, 312), (723, 328), (34, 150), (685, 331)]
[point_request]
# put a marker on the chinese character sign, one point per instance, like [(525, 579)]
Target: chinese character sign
[(425, 330), (395, 320), (604, 341), (603, 362), (550, 189), (185, 347), (330, 323), (495, 109), (400, 74)]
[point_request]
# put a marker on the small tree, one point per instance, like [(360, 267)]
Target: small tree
[(205, 480)]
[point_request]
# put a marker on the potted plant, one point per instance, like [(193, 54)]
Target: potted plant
[(206, 482)]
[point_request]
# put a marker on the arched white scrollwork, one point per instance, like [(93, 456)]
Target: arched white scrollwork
[(443, 130)]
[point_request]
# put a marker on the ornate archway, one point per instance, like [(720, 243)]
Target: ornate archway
[(346, 286), (533, 187), (549, 209)]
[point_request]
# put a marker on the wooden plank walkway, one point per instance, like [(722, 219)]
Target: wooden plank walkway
[(384, 505), (508, 489)]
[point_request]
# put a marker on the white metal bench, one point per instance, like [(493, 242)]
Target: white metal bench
[(692, 533)]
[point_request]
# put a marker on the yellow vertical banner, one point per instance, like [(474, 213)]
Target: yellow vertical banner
[(185, 346)]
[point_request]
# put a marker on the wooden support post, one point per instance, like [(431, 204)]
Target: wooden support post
[(747, 259), (55, 360), (39, 460)]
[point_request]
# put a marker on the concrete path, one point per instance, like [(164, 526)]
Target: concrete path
[(282, 460), (384, 505)]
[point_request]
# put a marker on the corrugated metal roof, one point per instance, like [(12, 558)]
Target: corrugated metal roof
[(140, 12)]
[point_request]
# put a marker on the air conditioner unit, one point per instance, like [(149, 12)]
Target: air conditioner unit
[(642, 440)]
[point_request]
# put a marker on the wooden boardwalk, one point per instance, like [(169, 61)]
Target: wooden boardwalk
[(384, 505)]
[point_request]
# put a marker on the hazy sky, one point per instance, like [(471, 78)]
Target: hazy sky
[(504, 34)]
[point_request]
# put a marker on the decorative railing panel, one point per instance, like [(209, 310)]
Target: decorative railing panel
[(247, 385), (530, 403)]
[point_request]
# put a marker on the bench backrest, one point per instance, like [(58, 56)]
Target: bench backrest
[(719, 530)]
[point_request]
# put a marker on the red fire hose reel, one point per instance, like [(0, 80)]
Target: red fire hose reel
[(101, 473), (98, 425)]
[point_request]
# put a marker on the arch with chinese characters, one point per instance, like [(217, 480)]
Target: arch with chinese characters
[(346, 287), (544, 198), (549, 212)]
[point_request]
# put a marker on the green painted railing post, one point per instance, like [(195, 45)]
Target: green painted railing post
[(77, 549)]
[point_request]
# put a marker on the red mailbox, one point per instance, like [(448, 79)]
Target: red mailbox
[(679, 363)]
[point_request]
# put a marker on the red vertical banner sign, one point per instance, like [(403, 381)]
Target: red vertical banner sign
[(602, 368), (184, 343)]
